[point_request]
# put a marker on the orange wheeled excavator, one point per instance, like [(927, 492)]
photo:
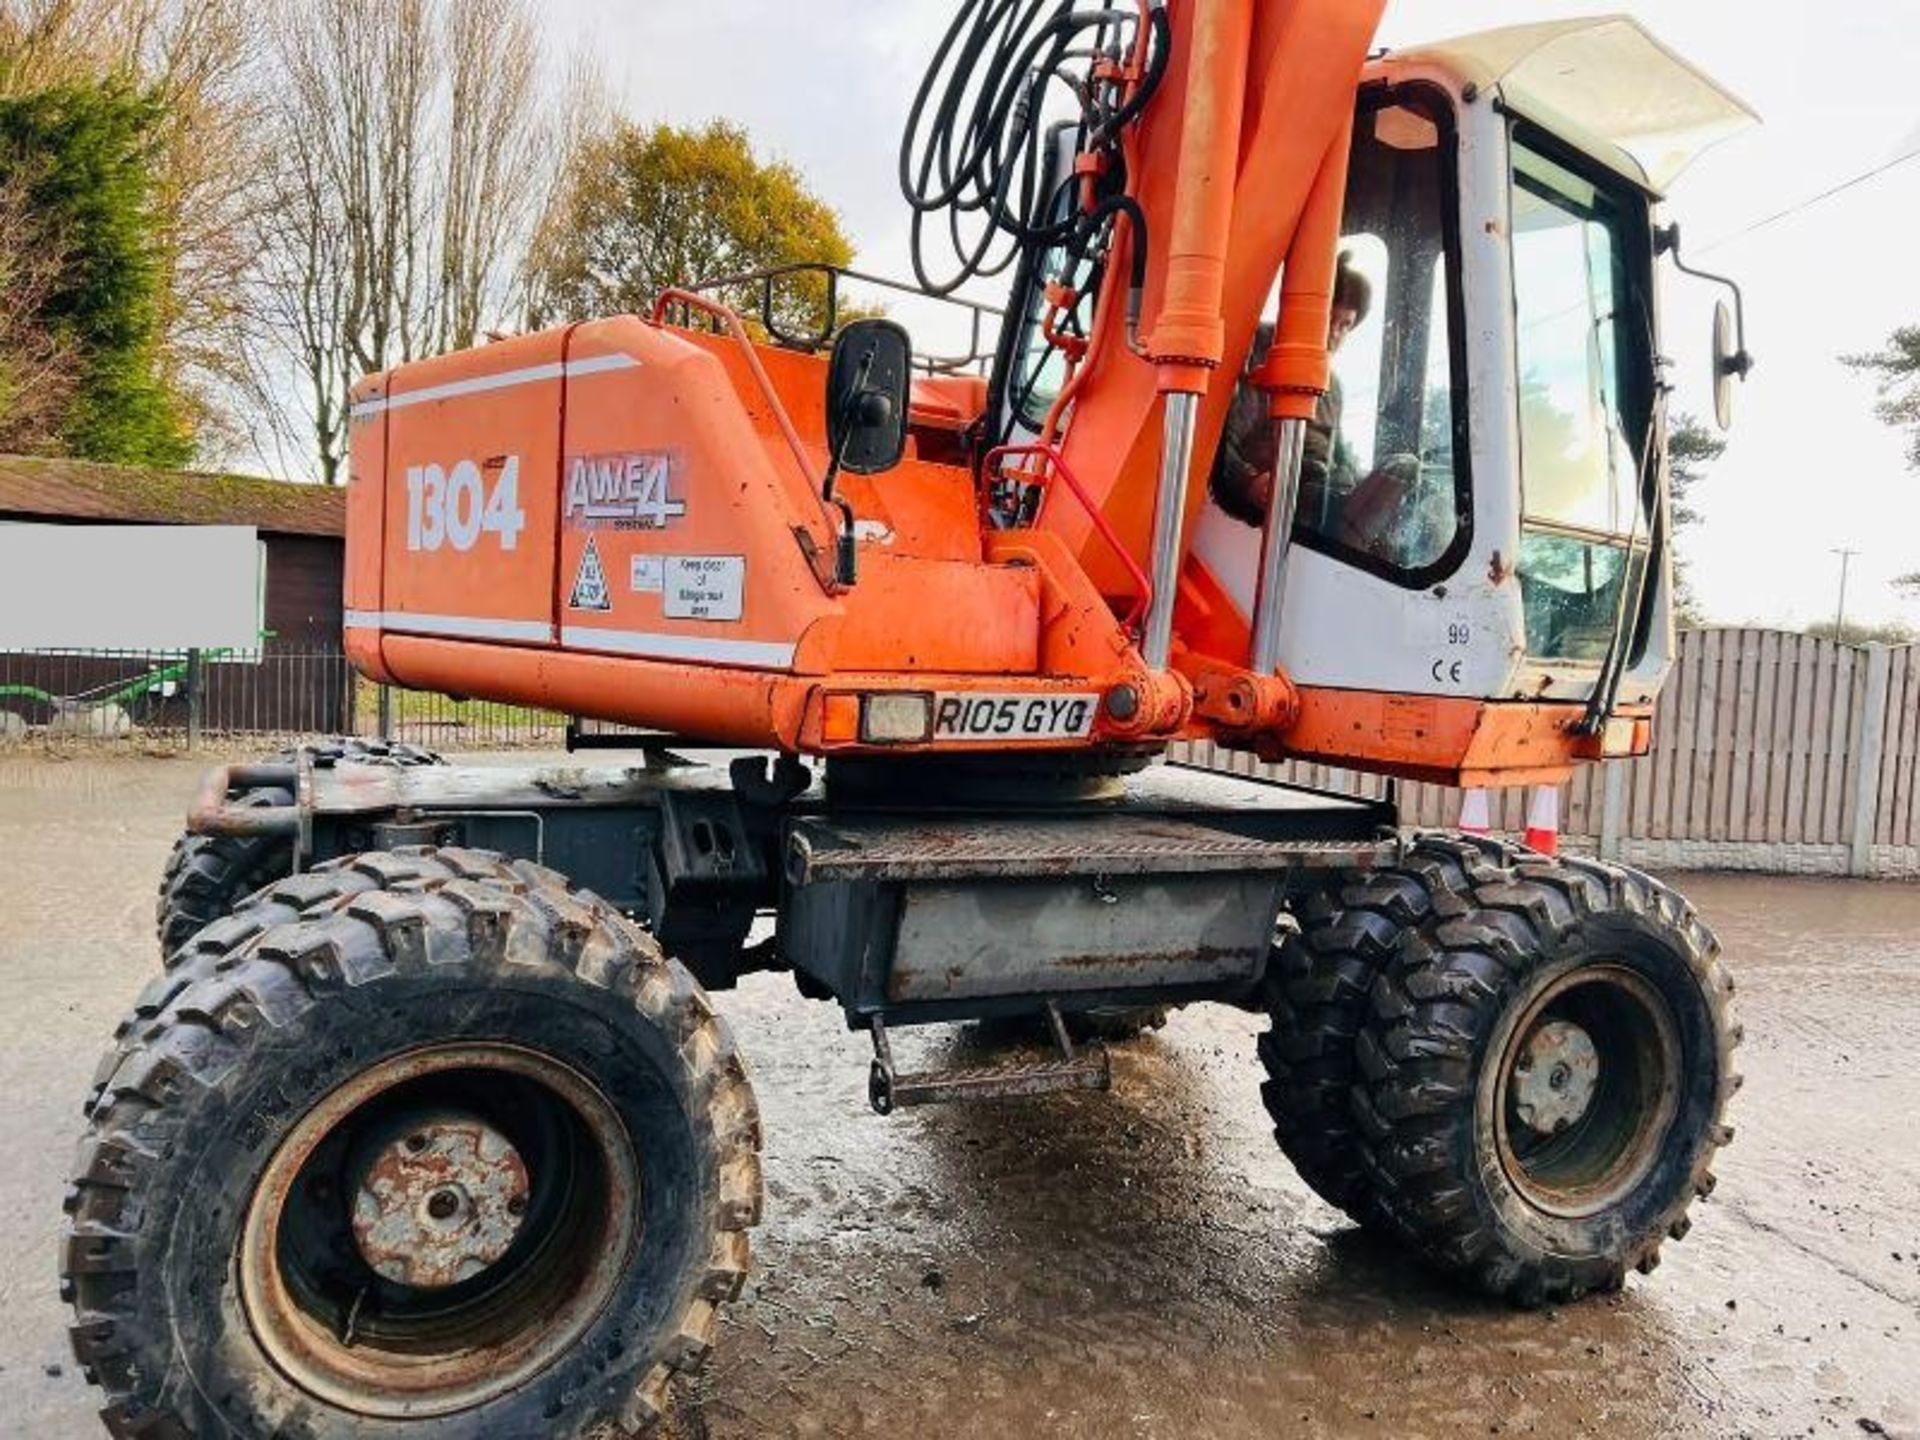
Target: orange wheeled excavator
[(1324, 418)]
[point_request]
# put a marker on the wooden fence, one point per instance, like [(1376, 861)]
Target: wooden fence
[(1771, 751)]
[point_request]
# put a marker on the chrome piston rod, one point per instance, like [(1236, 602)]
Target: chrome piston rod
[(1169, 521), (1276, 544)]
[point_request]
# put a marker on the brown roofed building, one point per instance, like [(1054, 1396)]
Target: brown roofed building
[(304, 526), (299, 683)]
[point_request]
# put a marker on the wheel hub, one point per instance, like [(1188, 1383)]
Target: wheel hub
[(439, 1201), (1576, 1132), (1555, 1077), (403, 1258)]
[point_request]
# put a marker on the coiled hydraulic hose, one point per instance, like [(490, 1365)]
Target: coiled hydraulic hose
[(978, 168), (973, 158)]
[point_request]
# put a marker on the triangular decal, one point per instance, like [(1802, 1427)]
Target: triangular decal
[(590, 589)]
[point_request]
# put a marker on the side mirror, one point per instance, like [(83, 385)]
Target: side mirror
[(867, 382), (1730, 363), (1731, 359)]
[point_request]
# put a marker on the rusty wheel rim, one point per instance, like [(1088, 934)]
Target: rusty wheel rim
[(1587, 1090), (439, 1230)]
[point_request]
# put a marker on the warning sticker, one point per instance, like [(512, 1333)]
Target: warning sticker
[(704, 587), (590, 589), (648, 574)]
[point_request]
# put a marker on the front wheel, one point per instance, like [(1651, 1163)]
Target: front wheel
[(448, 1150), (1545, 1077)]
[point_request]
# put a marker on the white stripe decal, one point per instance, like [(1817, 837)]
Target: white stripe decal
[(599, 364), (459, 627), (506, 379), (759, 654)]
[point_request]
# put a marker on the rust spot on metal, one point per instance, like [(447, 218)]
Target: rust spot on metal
[(316, 1326), (210, 813), (440, 1203), (1203, 955), (1498, 570), (1555, 1077)]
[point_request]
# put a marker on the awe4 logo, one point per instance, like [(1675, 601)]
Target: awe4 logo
[(457, 508), (632, 490)]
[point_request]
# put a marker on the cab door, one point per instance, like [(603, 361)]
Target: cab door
[(1394, 583)]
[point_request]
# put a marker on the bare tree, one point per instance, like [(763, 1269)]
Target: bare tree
[(340, 232), (411, 139), (579, 122), (495, 123)]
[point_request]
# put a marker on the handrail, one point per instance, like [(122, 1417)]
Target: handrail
[(933, 364), (1056, 463), (726, 315)]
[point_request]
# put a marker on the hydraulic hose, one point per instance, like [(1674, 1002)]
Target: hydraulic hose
[(973, 159)]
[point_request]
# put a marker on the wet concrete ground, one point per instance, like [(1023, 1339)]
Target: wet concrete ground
[(1141, 1264)]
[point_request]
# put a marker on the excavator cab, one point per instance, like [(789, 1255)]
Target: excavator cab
[(1478, 535), (1490, 516)]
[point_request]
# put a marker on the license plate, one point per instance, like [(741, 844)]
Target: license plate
[(985, 718)]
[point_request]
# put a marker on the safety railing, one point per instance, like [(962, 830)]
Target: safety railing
[(984, 320)]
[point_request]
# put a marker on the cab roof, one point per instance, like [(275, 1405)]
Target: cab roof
[(1604, 84)]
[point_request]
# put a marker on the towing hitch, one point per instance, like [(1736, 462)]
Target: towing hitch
[(1089, 1068)]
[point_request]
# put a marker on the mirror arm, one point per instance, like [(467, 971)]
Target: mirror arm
[(1666, 240), (846, 553)]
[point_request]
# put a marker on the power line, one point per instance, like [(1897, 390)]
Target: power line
[(1809, 203)]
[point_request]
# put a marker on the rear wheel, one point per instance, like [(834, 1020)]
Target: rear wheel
[(1545, 1077), (207, 875), (453, 1151)]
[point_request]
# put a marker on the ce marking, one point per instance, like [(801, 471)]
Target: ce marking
[(1447, 672)]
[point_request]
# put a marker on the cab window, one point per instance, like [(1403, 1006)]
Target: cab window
[(1384, 485), (1582, 340)]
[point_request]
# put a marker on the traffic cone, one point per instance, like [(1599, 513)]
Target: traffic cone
[(1543, 819), (1476, 815)]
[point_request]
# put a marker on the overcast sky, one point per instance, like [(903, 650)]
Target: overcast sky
[(826, 85)]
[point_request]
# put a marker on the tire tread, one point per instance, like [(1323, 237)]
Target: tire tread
[(1416, 1086)]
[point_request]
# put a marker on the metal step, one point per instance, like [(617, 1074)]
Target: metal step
[(840, 849), (1089, 1068)]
